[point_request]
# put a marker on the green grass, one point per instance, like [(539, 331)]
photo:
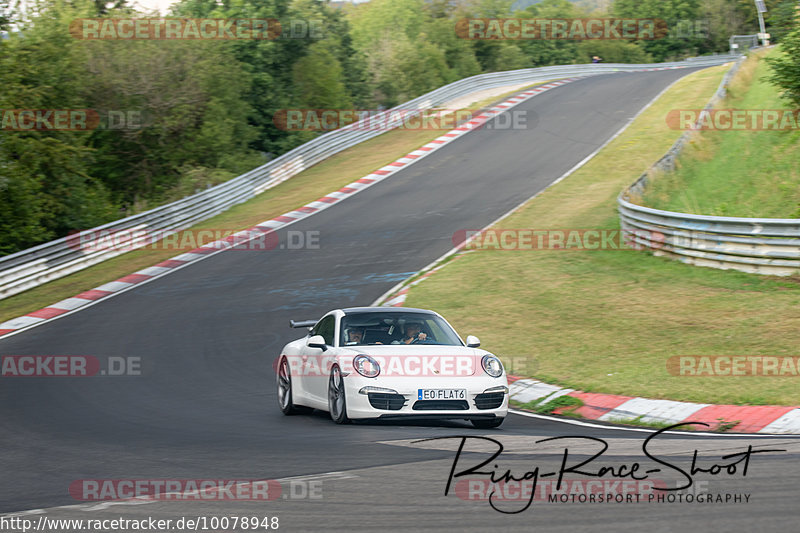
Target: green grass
[(559, 403), (563, 405), (330, 175), (723, 426), (638, 421), (607, 321), (566, 404), (737, 173)]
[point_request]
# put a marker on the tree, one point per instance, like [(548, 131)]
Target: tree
[(781, 18), (439, 31), (497, 56), (673, 13), (725, 18), (5, 16), (383, 32), (403, 70), (544, 52), (318, 80), (271, 63), (46, 188), (378, 19), (22, 210), (191, 97), (786, 67), (267, 62)]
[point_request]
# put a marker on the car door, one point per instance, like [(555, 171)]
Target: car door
[(317, 362)]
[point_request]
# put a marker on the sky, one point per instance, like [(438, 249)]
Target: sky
[(161, 5)]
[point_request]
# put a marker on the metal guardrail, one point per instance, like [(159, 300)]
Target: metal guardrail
[(49, 261), (756, 245)]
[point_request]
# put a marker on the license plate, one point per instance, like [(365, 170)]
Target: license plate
[(442, 394)]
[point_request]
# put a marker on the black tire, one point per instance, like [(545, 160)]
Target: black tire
[(487, 423), (284, 382), (337, 401)]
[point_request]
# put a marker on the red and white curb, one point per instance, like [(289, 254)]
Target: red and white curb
[(107, 290), (769, 419)]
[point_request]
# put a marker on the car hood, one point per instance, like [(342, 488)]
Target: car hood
[(428, 355)]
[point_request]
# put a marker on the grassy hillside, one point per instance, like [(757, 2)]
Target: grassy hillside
[(742, 173)]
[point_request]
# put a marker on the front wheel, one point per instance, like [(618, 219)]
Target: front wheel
[(337, 403), (484, 423)]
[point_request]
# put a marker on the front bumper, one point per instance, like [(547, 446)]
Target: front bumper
[(486, 398)]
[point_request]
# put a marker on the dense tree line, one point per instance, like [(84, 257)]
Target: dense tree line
[(786, 67), (206, 107)]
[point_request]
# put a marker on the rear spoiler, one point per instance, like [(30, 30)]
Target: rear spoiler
[(302, 323)]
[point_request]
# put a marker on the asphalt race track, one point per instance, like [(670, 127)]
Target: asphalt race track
[(205, 407)]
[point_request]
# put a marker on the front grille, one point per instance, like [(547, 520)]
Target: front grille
[(441, 405), (489, 400), (390, 402)]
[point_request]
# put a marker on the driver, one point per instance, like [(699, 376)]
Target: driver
[(354, 336), (413, 333)]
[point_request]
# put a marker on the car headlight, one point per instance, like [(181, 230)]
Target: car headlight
[(366, 366), (492, 366)]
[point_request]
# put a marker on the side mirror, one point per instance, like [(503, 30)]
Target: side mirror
[(473, 341), (316, 341)]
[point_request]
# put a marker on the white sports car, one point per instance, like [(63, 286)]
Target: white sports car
[(384, 362)]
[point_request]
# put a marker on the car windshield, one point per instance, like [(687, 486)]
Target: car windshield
[(396, 328)]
